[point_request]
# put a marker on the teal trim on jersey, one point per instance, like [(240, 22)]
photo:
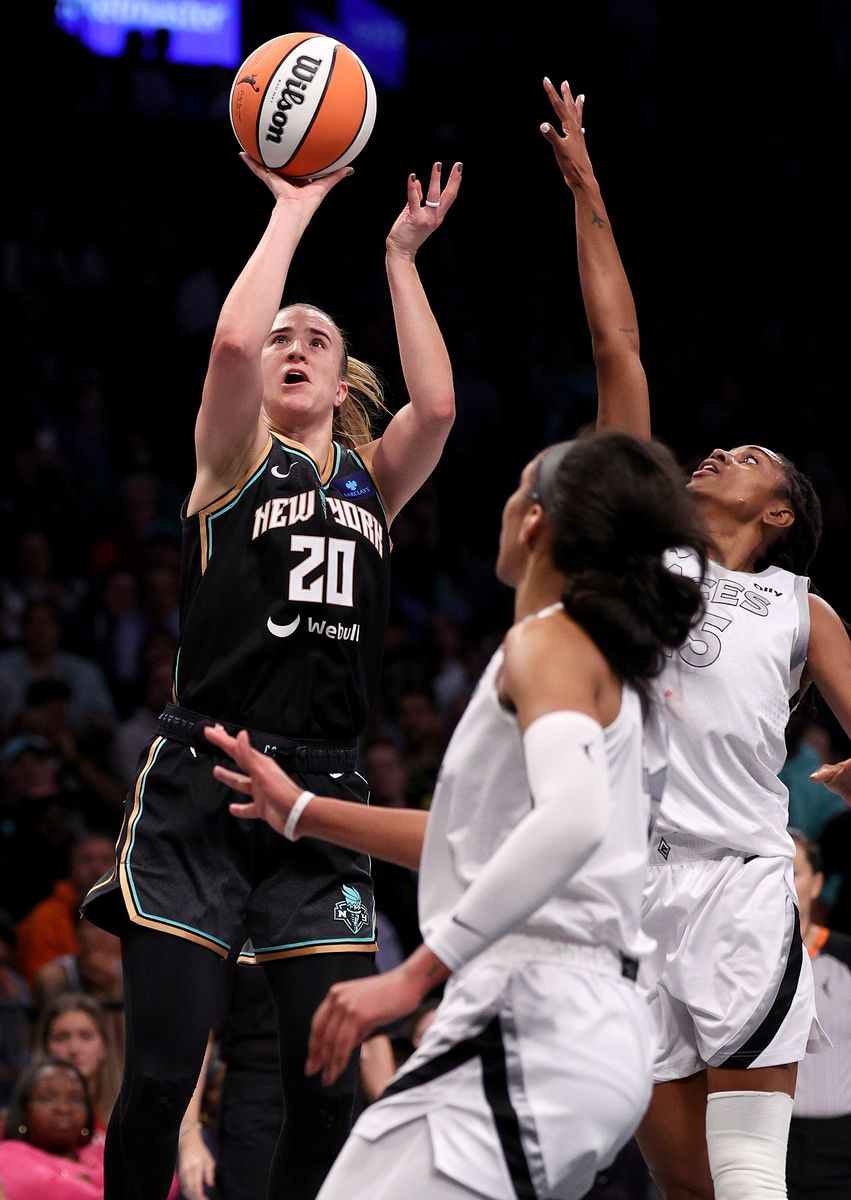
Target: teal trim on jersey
[(176, 668), (364, 467), (228, 507), (321, 941), (139, 909), (338, 454)]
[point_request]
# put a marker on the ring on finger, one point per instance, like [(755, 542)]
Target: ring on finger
[(432, 204)]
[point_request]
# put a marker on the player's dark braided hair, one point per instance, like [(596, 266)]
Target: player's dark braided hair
[(615, 504), (796, 546)]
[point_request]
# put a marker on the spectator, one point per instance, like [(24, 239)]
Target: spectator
[(97, 793), (35, 580), (48, 1149), (424, 742), (818, 1165), (134, 733), (76, 1029), (115, 630), (14, 1012), (40, 657), (95, 970), (38, 823), (50, 930)]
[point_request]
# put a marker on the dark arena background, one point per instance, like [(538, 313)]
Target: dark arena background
[(719, 136)]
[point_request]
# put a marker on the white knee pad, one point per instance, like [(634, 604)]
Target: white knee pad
[(746, 1135)]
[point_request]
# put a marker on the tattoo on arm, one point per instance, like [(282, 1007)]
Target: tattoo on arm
[(596, 219), (626, 329)]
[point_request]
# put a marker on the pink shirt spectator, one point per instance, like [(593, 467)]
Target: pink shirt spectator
[(28, 1173)]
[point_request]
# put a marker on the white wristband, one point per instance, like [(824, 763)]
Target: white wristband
[(295, 814)]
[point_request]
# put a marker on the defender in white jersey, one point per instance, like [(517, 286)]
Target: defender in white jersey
[(537, 1066), (731, 989)]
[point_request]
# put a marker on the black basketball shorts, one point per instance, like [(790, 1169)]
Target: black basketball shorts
[(185, 866)]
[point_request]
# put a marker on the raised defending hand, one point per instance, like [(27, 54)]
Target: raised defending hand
[(272, 791), (837, 777), (417, 219), (308, 195), (569, 146), (349, 1014)]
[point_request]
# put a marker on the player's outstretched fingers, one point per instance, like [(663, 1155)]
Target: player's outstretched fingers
[(339, 1051), (555, 98), (433, 195), (218, 735), (239, 783), (318, 1026), (415, 194), (449, 193)]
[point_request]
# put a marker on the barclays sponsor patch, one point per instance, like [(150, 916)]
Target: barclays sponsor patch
[(354, 486)]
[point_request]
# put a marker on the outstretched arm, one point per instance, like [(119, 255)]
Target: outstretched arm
[(409, 450), (229, 432), (553, 690), (392, 834), (622, 396), (829, 666)]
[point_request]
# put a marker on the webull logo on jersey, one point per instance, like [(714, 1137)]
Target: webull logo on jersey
[(351, 910), (334, 630)]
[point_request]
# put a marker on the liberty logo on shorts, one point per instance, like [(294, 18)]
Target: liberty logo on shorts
[(664, 849), (351, 910)]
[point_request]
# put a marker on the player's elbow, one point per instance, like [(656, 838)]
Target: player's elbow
[(439, 411), (232, 345)]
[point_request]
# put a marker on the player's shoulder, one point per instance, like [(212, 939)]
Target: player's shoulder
[(551, 642)]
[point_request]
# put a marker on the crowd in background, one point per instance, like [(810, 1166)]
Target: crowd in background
[(122, 244)]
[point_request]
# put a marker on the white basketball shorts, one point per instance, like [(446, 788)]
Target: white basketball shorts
[(729, 984), (533, 1074)]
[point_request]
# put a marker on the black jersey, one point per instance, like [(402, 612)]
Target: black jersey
[(285, 596)]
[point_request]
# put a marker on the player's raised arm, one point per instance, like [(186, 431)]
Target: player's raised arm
[(394, 835), (230, 432), (407, 453), (622, 397)]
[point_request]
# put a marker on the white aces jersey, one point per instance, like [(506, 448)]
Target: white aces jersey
[(728, 693), (482, 794)]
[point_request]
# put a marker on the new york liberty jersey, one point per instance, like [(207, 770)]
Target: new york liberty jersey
[(285, 592), (727, 694)]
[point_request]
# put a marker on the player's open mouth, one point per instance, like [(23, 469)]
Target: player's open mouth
[(708, 467), (293, 377)]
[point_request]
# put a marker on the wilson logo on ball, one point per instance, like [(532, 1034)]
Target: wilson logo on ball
[(304, 71), (311, 107)]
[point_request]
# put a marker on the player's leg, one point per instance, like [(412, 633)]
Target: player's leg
[(747, 1130), (170, 994), (397, 1166), (317, 1119), (672, 1138)]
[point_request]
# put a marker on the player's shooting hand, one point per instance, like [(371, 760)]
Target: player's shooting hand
[(837, 777), (418, 219), (350, 1013), (569, 145), (272, 791), (307, 195)]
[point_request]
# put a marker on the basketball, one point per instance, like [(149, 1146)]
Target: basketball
[(302, 104)]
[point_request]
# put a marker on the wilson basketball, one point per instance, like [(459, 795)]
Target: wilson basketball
[(302, 104)]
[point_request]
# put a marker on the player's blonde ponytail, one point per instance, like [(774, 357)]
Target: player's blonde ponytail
[(365, 401)]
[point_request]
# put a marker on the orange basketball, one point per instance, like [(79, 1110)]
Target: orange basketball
[(303, 105)]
